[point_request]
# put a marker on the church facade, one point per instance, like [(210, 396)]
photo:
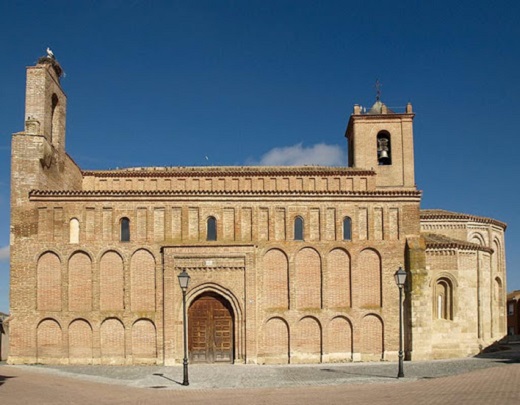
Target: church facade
[(287, 264)]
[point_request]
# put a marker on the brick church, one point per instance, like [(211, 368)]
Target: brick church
[(287, 264)]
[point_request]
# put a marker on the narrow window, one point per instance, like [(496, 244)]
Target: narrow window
[(384, 149), (212, 229), (54, 118), (74, 230), (444, 299), (125, 230), (298, 228), (347, 228), (440, 306), (511, 308)]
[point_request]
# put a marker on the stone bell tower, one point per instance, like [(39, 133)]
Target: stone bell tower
[(382, 140)]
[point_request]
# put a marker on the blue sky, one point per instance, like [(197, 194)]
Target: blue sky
[(153, 83)]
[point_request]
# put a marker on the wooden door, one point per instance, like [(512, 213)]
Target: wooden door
[(210, 330)]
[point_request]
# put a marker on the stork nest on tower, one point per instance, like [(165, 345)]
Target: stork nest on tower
[(47, 60)]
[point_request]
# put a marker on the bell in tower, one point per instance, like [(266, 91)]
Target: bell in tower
[(383, 149), (381, 139)]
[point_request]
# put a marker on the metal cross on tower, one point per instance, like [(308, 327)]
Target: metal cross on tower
[(378, 86)]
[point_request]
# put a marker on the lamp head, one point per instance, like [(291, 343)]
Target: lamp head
[(400, 277), (184, 279)]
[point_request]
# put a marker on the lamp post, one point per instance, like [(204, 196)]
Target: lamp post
[(400, 279), (184, 279), (1, 333)]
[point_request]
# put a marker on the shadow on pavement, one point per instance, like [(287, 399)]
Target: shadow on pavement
[(504, 352), (331, 370), (167, 378), (4, 378)]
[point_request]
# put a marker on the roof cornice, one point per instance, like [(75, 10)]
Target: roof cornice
[(456, 216), (441, 242), (124, 194), (226, 171)]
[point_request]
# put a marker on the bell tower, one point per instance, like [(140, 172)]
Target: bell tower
[(382, 140), (38, 157), (45, 102)]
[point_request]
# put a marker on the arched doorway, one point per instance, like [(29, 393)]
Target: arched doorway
[(210, 330)]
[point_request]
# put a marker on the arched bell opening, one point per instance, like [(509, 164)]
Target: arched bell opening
[(384, 149), (211, 334)]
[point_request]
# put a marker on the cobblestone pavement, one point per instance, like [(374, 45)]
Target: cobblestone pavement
[(489, 379)]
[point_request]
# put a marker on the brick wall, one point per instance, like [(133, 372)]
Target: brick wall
[(81, 294)]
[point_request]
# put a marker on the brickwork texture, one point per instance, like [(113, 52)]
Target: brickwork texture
[(304, 256)]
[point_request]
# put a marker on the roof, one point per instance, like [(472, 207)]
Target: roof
[(436, 214), (211, 171), (379, 108), (169, 193), (436, 241), (513, 295)]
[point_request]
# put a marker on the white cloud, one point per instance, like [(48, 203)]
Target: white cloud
[(299, 155), (4, 253)]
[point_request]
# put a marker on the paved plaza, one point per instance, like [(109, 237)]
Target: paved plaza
[(489, 379)]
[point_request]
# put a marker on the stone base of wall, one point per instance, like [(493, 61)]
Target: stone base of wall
[(337, 358)]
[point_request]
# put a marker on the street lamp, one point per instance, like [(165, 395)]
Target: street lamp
[(184, 279), (400, 279)]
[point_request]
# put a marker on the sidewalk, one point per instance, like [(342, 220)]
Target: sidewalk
[(491, 379), (227, 376)]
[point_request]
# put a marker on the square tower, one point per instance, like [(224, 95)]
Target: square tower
[(382, 140)]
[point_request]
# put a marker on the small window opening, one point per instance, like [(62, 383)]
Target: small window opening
[(212, 229), (125, 230), (347, 228), (298, 228)]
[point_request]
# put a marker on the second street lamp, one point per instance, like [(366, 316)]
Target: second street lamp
[(400, 279), (184, 280)]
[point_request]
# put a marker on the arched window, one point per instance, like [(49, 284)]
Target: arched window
[(347, 228), (211, 229), (125, 230), (384, 149), (444, 299), (74, 231), (298, 228), (54, 118)]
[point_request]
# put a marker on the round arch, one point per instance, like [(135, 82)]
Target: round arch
[(308, 247), (39, 255), (115, 250), (90, 255), (476, 237)]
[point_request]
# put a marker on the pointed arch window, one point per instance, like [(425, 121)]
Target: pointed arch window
[(298, 228), (125, 229), (211, 233), (74, 230), (347, 228), (384, 149)]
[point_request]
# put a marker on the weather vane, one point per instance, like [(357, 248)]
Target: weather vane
[(378, 90)]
